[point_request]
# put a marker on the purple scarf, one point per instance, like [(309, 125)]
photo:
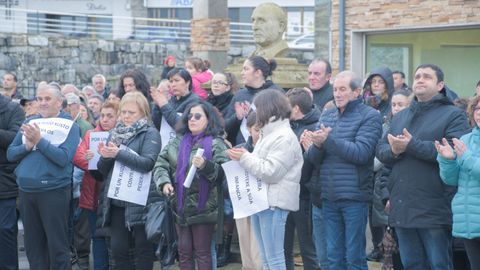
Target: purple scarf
[(186, 145)]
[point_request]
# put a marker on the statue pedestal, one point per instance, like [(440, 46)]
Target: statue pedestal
[(288, 74)]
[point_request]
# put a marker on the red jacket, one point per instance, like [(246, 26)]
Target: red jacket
[(90, 188)]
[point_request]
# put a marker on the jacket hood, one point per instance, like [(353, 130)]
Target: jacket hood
[(203, 77), (386, 75)]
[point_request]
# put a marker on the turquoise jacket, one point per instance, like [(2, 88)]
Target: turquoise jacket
[(464, 172)]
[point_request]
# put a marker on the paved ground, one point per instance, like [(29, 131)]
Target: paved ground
[(23, 263)]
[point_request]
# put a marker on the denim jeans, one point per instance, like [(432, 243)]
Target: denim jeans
[(8, 234), (345, 224), (269, 228), (318, 225), (99, 245), (425, 248)]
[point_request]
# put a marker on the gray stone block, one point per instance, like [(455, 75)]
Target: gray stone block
[(247, 50), (149, 47), (104, 45), (20, 40), (135, 46), (40, 41), (6, 62), (235, 51)]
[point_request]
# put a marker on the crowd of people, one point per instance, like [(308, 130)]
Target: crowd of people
[(343, 153)]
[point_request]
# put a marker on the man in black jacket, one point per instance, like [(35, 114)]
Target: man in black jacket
[(11, 118), (419, 201), (319, 75)]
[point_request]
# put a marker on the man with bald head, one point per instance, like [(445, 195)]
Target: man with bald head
[(44, 174), (269, 22)]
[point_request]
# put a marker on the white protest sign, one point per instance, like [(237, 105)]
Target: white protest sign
[(129, 185), (247, 193), (244, 129), (166, 132), (95, 139), (55, 130)]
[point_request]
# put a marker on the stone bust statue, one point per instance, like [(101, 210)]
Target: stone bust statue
[(269, 23)]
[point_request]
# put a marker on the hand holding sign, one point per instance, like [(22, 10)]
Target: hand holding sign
[(193, 170)]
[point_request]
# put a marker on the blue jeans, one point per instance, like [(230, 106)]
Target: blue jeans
[(319, 237), (269, 228), (8, 234), (425, 248), (345, 224), (99, 246)]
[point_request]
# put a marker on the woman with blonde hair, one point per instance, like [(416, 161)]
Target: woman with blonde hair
[(126, 220)]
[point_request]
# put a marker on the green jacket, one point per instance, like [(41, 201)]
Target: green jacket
[(164, 172)]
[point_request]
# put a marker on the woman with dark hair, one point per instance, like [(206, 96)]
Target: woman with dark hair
[(277, 160), (196, 207), (171, 109), (378, 90), (255, 73), (126, 220), (134, 80)]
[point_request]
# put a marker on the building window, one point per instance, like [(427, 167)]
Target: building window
[(66, 25)]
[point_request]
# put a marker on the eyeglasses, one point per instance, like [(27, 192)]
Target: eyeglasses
[(197, 116), (219, 82)]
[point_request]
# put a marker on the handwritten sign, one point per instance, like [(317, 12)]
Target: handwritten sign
[(127, 184), (248, 193), (95, 139)]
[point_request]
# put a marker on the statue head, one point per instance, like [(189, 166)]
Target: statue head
[(269, 23)]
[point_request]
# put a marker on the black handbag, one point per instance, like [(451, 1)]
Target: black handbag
[(156, 215)]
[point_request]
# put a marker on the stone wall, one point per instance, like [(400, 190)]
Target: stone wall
[(381, 14), (36, 58)]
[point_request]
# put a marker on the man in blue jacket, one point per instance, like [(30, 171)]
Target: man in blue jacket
[(44, 176), (419, 201), (343, 151), (11, 118)]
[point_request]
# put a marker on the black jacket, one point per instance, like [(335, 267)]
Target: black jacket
[(322, 96), (11, 118), (172, 109), (232, 124), (384, 105), (418, 197), (147, 145), (308, 122)]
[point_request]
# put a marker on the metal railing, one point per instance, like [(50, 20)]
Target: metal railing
[(115, 27)]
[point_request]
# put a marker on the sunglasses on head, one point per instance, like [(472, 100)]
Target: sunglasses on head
[(197, 116)]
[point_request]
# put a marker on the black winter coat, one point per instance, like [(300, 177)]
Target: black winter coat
[(418, 197), (11, 118), (232, 124), (146, 144), (308, 122), (172, 109)]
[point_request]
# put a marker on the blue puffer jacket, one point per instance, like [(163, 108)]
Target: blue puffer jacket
[(345, 160), (464, 172)]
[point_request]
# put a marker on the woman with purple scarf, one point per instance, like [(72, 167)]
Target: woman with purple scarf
[(196, 207)]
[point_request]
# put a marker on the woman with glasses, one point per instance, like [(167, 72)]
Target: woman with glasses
[(224, 86), (195, 207)]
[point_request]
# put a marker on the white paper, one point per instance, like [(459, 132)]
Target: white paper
[(95, 139), (55, 130), (247, 192), (166, 132), (129, 185), (191, 173), (244, 129)]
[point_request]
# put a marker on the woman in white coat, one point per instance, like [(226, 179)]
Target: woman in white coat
[(277, 160)]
